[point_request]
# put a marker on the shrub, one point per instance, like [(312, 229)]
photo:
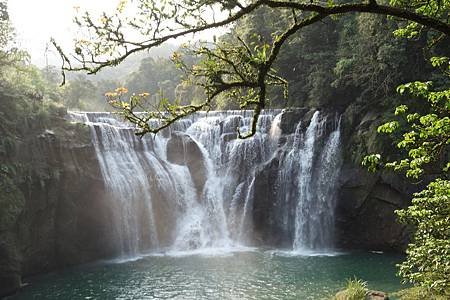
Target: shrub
[(428, 261), (356, 289)]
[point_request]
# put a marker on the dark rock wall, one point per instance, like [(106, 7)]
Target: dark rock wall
[(65, 215), (366, 216), (183, 150), (266, 220), (367, 202)]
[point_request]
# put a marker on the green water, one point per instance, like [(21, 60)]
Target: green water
[(239, 275)]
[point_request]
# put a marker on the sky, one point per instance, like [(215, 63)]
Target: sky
[(36, 21)]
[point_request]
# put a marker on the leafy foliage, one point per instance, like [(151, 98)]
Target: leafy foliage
[(79, 91), (428, 260), (28, 97), (10, 55), (428, 137), (417, 292), (356, 289), (437, 9), (426, 145)]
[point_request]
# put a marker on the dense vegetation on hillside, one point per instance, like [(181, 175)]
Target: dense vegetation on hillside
[(27, 97), (343, 59), (331, 63)]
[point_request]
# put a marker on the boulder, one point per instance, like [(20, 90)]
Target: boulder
[(366, 209), (290, 119), (370, 295), (183, 150), (228, 137), (377, 295), (230, 124)]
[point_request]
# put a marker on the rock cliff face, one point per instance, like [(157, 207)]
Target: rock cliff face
[(265, 221), (366, 210), (64, 216)]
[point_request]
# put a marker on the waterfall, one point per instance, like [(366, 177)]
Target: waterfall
[(315, 167), (123, 171), (244, 225), (304, 224), (275, 130), (326, 185), (193, 186)]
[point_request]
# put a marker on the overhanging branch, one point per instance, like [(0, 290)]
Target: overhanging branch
[(370, 7)]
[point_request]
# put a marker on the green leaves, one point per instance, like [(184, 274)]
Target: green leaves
[(440, 61), (388, 127), (372, 162), (437, 9), (401, 110), (427, 136), (426, 139), (417, 88), (355, 289), (428, 260)]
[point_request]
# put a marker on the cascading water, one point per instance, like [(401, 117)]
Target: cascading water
[(314, 164), (123, 171), (326, 185), (304, 224), (192, 187)]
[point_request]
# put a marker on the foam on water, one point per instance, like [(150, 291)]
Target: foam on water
[(305, 253), (211, 251)]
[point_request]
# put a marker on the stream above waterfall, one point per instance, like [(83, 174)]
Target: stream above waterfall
[(242, 275)]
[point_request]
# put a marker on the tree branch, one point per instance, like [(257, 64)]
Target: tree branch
[(371, 7)]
